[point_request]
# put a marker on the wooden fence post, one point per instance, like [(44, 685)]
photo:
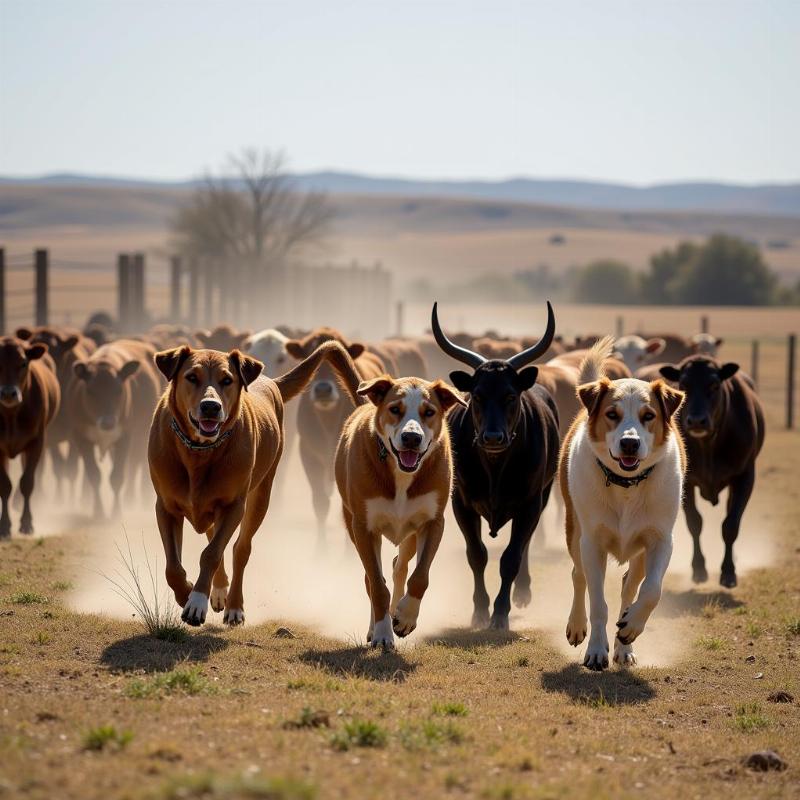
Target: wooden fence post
[(754, 362), (175, 288), (2, 291), (400, 309), (123, 290), (208, 292), (194, 290), (620, 326), (41, 261), (704, 324), (790, 369), (137, 291)]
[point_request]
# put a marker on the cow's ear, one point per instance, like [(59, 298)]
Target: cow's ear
[(296, 349), (35, 351), (728, 371), (355, 349), (81, 370), (590, 394), (463, 381), (246, 367), (376, 389), (447, 396), (670, 373), (128, 369), (24, 334), (668, 398), (718, 342), (242, 337), (69, 343), (202, 336), (169, 361), (526, 378), (655, 346)]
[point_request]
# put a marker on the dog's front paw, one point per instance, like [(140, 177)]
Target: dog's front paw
[(194, 612), (630, 625), (219, 594), (405, 617), (623, 654), (233, 617), (576, 630), (382, 635), (596, 657)]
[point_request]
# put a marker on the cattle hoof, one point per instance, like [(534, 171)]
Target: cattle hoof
[(596, 659), (233, 617), (26, 528), (480, 619), (194, 612), (218, 597), (728, 580), (699, 574), (499, 622), (5, 532), (521, 596)]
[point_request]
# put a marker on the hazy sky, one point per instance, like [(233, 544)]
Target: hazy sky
[(639, 91)]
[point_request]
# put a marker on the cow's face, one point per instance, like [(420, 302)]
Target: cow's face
[(409, 415), (628, 420), (270, 349), (223, 338), (495, 404), (15, 359), (702, 379), (205, 387), (637, 352), (106, 392), (58, 343)]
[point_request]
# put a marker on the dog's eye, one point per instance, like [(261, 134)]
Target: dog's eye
[(192, 378), (394, 410), (429, 412), (226, 381), (612, 414), (648, 416)]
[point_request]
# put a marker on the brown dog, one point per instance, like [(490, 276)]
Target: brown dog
[(394, 473), (29, 399), (215, 443)]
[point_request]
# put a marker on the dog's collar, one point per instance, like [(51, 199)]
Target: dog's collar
[(622, 480), (192, 445), (383, 453)]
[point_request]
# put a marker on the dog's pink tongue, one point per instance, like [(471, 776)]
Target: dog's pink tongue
[(629, 461), (208, 425), (408, 458)]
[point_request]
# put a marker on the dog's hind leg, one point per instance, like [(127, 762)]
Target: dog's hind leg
[(219, 583), (623, 653)]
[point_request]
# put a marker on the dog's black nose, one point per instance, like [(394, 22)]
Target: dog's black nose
[(494, 438), (411, 439), (696, 421), (210, 408), (629, 445)]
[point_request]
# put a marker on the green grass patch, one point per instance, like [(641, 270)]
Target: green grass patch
[(753, 630), (62, 586), (749, 718), (596, 700), (106, 737), (450, 709), (27, 598), (359, 733), (42, 638), (309, 718), (711, 642), (253, 787), (793, 626), (430, 734), (188, 680)]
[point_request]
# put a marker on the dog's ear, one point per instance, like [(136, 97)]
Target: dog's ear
[(526, 378), (462, 380), (376, 389), (246, 367), (128, 370), (590, 394), (671, 373), (81, 370), (728, 371), (655, 346), (448, 397), (170, 361), (668, 398), (35, 351), (24, 334), (296, 349), (355, 349)]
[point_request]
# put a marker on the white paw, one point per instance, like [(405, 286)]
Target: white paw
[(382, 635), (194, 612), (596, 657), (576, 629), (623, 654), (233, 616), (218, 597), (631, 624), (405, 617)]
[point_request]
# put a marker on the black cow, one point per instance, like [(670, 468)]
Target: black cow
[(505, 451), (723, 423)]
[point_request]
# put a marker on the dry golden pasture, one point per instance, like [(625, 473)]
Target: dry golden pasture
[(92, 707)]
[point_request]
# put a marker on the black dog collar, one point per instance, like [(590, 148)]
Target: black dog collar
[(192, 445), (622, 480), (383, 453)]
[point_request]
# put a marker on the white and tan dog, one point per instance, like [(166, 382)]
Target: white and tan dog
[(394, 473), (621, 474)]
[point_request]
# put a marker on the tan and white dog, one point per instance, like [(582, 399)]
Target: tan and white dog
[(621, 474), (394, 473)]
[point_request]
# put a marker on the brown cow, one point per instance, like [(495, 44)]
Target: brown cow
[(322, 412), (29, 399), (401, 357), (223, 338), (112, 403)]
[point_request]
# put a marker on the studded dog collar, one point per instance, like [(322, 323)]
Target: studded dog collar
[(622, 480), (192, 445)]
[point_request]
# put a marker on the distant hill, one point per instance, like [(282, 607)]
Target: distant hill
[(763, 199)]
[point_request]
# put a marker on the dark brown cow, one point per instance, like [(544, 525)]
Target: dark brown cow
[(723, 423), (322, 412), (29, 399), (223, 337), (112, 403)]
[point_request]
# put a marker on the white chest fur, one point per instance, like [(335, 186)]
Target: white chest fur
[(399, 516)]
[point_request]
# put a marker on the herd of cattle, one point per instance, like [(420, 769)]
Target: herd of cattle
[(80, 395)]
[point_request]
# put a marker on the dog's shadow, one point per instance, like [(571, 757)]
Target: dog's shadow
[(470, 638), (694, 602), (616, 687), (148, 654), (361, 662)]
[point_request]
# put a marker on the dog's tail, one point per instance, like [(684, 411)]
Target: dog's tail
[(591, 368), (293, 382)]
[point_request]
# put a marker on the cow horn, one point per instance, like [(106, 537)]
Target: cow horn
[(461, 354), (540, 348)]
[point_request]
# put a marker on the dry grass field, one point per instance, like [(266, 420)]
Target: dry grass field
[(93, 707)]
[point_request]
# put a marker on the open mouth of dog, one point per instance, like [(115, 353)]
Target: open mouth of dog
[(206, 426), (628, 463), (408, 460)]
